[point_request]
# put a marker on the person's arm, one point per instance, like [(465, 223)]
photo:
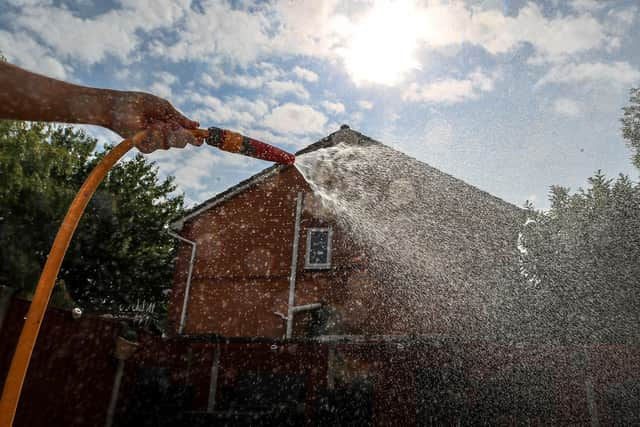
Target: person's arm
[(29, 96)]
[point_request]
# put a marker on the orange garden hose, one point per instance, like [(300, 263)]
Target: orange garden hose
[(38, 307), (221, 138)]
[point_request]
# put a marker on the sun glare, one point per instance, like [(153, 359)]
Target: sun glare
[(383, 44)]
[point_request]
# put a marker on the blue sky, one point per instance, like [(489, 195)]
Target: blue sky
[(510, 96)]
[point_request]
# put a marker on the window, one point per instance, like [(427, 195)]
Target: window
[(318, 248)]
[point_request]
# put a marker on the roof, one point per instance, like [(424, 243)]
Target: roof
[(344, 134)]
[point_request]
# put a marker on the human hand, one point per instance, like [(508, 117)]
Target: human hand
[(132, 112)]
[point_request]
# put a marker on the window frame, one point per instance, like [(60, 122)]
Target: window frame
[(324, 266)]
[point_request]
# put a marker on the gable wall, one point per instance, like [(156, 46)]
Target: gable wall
[(243, 261)]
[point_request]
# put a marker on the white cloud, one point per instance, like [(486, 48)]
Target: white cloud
[(217, 28), (29, 2), (248, 31), (166, 78), (552, 38), (451, 90), (447, 91), (161, 89), (123, 74), (441, 25), (295, 119), (187, 178), (365, 105), (246, 81), (333, 107), (305, 74), (355, 119), (319, 30), (209, 81), (280, 88), (482, 81), (256, 107), (162, 83), (24, 51), (91, 40), (617, 74), (243, 33), (87, 40), (234, 111), (194, 167), (619, 21), (102, 134), (253, 77), (567, 107), (152, 14), (310, 27), (587, 5)]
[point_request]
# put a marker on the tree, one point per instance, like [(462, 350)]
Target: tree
[(580, 264), (120, 252), (579, 260), (631, 124), (36, 164)]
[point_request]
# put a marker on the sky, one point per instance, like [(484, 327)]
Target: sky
[(509, 96)]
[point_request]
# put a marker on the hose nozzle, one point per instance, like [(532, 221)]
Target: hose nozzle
[(235, 143)]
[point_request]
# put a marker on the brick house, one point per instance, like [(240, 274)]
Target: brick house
[(345, 359), (241, 282)]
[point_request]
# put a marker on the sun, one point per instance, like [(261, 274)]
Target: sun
[(383, 44)]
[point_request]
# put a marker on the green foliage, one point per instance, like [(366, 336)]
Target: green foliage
[(120, 252), (579, 260), (580, 263), (36, 165), (631, 124)]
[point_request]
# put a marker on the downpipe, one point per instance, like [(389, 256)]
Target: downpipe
[(187, 288)]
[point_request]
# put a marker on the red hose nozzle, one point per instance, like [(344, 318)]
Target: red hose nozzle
[(235, 143)]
